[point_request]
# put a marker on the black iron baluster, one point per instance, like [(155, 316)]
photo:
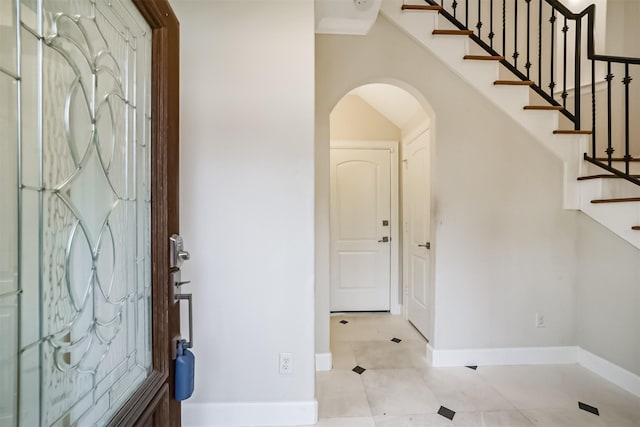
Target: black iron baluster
[(578, 71), (491, 34), (610, 148), (540, 45), (504, 27), (527, 66), (515, 34), (553, 10), (552, 84), (593, 108), (565, 29), (479, 24), (627, 82), (466, 13)]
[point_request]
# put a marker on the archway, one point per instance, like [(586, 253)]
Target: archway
[(370, 115)]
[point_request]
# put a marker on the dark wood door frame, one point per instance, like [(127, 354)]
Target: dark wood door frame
[(153, 403)]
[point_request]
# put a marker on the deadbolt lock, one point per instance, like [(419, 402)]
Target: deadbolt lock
[(177, 254)]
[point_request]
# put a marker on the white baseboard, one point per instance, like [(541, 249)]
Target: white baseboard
[(324, 361), (503, 356), (396, 309), (249, 414), (536, 356), (619, 376)]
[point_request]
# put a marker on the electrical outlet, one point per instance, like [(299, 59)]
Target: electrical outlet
[(540, 320), (286, 363)]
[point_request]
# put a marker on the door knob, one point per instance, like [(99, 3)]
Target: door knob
[(426, 245), (385, 239)]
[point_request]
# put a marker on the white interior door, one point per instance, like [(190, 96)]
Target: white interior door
[(360, 229), (417, 233)]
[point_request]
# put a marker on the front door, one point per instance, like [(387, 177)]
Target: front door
[(88, 183), (417, 246), (360, 229)]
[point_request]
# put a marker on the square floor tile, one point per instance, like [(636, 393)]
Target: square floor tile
[(346, 422), (389, 355), (464, 390), (359, 370), (417, 420), (398, 392), (492, 419), (446, 412), (341, 394), (534, 387), (342, 356), (564, 418)]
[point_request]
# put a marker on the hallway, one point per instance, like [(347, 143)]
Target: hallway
[(396, 389)]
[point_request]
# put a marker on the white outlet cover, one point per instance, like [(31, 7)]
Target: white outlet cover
[(286, 363)]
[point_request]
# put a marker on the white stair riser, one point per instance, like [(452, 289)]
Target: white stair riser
[(634, 168), (619, 188)]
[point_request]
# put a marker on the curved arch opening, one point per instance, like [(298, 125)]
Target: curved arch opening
[(388, 125)]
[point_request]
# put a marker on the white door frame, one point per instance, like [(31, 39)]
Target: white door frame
[(395, 306)]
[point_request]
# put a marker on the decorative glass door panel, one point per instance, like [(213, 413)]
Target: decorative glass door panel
[(75, 258)]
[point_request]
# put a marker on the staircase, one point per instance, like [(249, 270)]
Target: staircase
[(605, 188)]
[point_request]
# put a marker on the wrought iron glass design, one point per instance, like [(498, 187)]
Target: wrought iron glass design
[(75, 271)]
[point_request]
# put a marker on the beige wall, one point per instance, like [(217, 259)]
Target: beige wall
[(246, 182), (608, 295), (353, 118), (504, 248), (502, 244), (623, 33)]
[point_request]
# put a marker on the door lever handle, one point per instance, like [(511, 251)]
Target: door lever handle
[(426, 245), (385, 239), (187, 297)]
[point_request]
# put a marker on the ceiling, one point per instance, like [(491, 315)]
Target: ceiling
[(396, 104), (345, 16)]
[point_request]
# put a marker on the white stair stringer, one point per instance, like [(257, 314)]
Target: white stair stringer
[(618, 217), (511, 99)]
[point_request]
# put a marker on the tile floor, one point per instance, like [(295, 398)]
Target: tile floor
[(397, 389)]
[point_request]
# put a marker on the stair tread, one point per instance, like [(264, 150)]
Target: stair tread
[(485, 57), (620, 200), (420, 7), (452, 32), (544, 107), (514, 82), (572, 132)]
